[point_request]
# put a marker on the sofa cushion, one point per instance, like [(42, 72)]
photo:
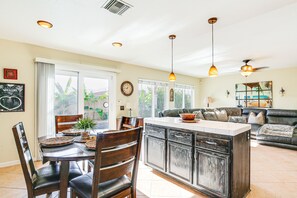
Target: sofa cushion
[(210, 115), (232, 111), (172, 112), (192, 110), (238, 119), (246, 111), (199, 115), (221, 115), (256, 119), (282, 116)]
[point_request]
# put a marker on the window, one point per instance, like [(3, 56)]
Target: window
[(183, 96), (152, 97)]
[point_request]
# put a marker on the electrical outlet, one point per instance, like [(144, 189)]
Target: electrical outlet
[(122, 108)]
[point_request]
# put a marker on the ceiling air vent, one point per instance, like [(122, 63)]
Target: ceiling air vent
[(116, 6)]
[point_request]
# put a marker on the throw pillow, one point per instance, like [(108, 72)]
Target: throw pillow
[(256, 119), (199, 115), (208, 115), (221, 115), (238, 119)]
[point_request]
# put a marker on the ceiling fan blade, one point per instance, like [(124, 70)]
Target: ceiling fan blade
[(259, 68)]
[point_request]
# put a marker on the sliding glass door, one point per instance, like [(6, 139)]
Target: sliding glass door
[(90, 94), (96, 101)]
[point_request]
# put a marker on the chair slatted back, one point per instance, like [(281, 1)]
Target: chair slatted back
[(130, 122), (117, 154), (24, 153), (64, 122)]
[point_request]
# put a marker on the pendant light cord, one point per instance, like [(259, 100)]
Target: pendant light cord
[(171, 55), (212, 40)]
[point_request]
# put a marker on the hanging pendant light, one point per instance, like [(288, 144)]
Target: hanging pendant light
[(213, 72), (172, 76)]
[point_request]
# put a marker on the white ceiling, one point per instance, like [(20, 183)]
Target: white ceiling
[(263, 30)]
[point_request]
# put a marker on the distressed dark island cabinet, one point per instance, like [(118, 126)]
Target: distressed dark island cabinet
[(211, 157)]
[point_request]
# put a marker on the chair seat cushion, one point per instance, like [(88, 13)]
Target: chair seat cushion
[(50, 175), (83, 186)]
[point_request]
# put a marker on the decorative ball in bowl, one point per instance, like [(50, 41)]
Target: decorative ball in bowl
[(187, 116)]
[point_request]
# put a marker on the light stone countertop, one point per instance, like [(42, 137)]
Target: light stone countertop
[(215, 127)]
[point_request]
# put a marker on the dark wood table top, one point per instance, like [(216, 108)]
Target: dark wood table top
[(72, 152)]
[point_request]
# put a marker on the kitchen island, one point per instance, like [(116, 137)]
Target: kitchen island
[(209, 156)]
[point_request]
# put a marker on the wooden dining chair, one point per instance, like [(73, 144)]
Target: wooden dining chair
[(115, 169), (130, 122), (39, 181), (64, 122), (125, 123)]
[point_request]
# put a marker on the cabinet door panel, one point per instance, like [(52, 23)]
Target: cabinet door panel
[(212, 172), (180, 161), (155, 152)]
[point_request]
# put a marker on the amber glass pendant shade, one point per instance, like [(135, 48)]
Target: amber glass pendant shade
[(172, 77), (213, 72)]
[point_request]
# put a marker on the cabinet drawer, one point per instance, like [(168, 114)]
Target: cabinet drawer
[(181, 137), (155, 131), (215, 144)]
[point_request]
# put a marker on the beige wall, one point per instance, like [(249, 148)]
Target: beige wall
[(20, 56), (132, 73), (286, 78)]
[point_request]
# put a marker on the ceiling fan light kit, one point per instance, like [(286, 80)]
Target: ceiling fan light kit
[(172, 76), (246, 69), (213, 71)]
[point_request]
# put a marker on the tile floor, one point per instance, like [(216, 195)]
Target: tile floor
[(273, 175)]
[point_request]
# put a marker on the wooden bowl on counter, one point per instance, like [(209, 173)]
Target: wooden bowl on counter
[(187, 116)]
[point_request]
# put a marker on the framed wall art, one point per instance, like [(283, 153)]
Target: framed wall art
[(12, 97), (11, 74), (254, 94)]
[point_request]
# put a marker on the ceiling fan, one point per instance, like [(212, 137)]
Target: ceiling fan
[(247, 70)]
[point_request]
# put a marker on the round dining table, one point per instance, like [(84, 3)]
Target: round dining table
[(65, 154)]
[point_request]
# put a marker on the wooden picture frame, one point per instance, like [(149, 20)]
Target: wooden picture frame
[(11, 74), (12, 97)]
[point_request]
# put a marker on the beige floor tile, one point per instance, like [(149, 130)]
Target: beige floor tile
[(12, 180), (273, 175), (13, 193)]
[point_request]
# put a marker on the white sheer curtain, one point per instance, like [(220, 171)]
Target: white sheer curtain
[(45, 87)]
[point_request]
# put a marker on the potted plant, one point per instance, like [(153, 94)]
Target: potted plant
[(85, 124)]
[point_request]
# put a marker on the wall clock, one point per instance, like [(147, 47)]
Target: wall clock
[(127, 88)]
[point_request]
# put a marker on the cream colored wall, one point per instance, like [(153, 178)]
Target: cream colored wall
[(20, 56), (133, 73), (286, 78)]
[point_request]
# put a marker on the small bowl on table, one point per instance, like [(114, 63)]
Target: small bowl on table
[(187, 116)]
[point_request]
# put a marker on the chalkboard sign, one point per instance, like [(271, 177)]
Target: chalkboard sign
[(12, 97)]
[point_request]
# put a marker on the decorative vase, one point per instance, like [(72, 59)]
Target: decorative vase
[(85, 135)]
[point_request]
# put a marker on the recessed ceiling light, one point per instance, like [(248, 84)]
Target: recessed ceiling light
[(117, 44), (44, 24)]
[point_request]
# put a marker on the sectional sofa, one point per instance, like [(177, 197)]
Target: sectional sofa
[(279, 127)]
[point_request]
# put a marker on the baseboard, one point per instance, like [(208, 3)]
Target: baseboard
[(11, 163)]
